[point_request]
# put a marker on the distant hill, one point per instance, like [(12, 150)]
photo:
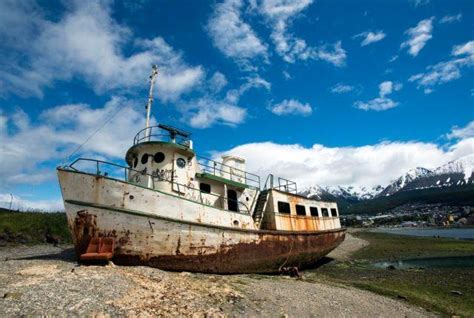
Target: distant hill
[(451, 183)]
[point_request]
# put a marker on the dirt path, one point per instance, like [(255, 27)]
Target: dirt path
[(349, 246), (45, 280)]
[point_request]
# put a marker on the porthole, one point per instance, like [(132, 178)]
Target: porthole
[(159, 157), (180, 162), (135, 162), (145, 158)]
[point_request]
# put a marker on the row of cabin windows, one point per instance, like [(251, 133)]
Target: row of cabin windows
[(284, 207), (158, 158)]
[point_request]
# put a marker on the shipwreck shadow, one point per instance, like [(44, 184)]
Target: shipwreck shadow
[(320, 263), (64, 254)]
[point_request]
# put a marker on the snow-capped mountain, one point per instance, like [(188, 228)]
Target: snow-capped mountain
[(459, 172), (455, 173), (404, 180), (355, 193), (316, 192)]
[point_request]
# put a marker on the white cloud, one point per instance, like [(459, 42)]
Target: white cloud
[(462, 132), (358, 166), (418, 3), (291, 107), (341, 88), (217, 82), (418, 36), (393, 59), (85, 42), (208, 110), (280, 15), (22, 204), (370, 37), (443, 72), (27, 147), (451, 18), (382, 102), (232, 36)]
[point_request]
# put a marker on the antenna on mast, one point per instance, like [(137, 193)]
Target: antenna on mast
[(154, 73)]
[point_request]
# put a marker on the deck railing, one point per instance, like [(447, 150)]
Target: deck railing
[(158, 133), (283, 184), (228, 172), (115, 171)]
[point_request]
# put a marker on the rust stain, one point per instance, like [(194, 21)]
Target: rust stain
[(266, 255), (84, 227)]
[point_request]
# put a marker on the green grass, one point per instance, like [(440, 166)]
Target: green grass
[(429, 288), (31, 227)]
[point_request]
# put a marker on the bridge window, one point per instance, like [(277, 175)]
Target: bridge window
[(159, 157), (205, 188), (144, 158), (300, 210), (283, 207), (135, 162), (314, 211), (334, 212), (325, 212)]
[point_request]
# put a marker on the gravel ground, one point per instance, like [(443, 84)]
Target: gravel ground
[(46, 280)]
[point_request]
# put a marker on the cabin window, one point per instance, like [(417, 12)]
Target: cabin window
[(180, 162), (314, 211), (159, 157), (205, 187), (325, 212), (334, 212), (300, 209), (135, 162), (232, 203), (283, 207), (144, 158)]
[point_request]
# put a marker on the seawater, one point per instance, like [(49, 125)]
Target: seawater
[(459, 233)]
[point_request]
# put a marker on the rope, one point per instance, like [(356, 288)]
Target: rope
[(288, 257), (66, 159)]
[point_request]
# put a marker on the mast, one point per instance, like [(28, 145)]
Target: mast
[(154, 73)]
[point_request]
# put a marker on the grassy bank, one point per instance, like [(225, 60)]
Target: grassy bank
[(430, 288), (32, 227)]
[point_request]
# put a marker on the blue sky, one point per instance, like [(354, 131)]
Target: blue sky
[(324, 92)]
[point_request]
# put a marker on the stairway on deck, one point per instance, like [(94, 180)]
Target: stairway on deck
[(260, 207)]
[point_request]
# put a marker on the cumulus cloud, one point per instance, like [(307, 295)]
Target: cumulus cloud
[(462, 132), (341, 88), (280, 15), (382, 102), (291, 107), (87, 43), (357, 166), (451, 18), (27, 147), (443, 72), (210, 109), (23, 204), (418, 36), (232, 36), (370, 37)]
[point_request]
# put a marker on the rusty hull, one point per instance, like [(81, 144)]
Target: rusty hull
[(183, 249)]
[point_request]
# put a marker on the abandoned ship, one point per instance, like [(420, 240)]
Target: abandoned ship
[(172, 209)]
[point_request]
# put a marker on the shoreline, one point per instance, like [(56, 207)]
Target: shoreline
[(46, 280)]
